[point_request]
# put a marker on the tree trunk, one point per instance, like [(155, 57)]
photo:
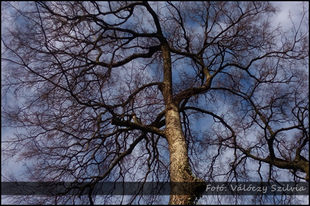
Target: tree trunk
[(185, 187)]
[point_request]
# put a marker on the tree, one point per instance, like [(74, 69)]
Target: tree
[(118, 91)]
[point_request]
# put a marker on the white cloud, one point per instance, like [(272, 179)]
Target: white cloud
[(288, 8)]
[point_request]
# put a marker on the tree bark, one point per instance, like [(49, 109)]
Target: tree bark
[(185, 187)]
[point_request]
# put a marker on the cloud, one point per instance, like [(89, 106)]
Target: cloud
[(288, 8)]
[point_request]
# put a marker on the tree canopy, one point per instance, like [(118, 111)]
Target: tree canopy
[(168, 92)]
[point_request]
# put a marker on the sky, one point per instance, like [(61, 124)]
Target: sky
[(16, 167)]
